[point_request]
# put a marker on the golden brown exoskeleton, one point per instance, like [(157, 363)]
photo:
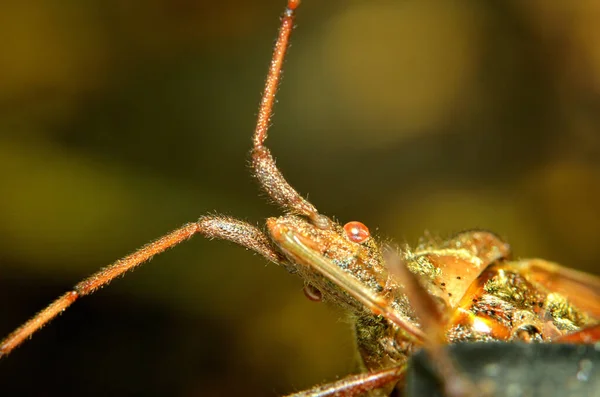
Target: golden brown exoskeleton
[(463, 289), (466, 289)]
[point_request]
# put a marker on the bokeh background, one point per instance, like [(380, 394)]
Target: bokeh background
[(119, 121)]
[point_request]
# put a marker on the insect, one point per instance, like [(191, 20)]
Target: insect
[(344, 264)]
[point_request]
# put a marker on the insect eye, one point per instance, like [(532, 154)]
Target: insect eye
[(356, 231), (312, 293)]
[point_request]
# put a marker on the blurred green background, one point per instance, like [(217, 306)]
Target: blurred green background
[(119, 121)]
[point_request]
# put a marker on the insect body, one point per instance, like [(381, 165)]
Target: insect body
[(466, 289), (463, 289)]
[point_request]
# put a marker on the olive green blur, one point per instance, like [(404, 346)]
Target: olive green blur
[(121, 120)]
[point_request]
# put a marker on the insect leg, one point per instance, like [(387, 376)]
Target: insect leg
[(433, 321), (224, 228), (355, 385), (587, 335), (427, 309)]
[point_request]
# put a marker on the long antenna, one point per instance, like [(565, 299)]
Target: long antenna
[(265, 170)]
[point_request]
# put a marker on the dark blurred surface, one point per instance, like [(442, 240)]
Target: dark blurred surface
[(514, 369), (119, 121)]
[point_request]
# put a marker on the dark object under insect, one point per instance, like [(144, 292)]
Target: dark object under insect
[(515, 369)]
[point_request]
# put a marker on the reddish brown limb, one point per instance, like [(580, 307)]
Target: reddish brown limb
[(585, 336), (427, 309), (229, 229), (263, 164), (238, 232), (268, 98), (355, 385)]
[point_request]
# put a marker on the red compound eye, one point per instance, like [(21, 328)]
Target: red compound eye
[(357, 231)]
